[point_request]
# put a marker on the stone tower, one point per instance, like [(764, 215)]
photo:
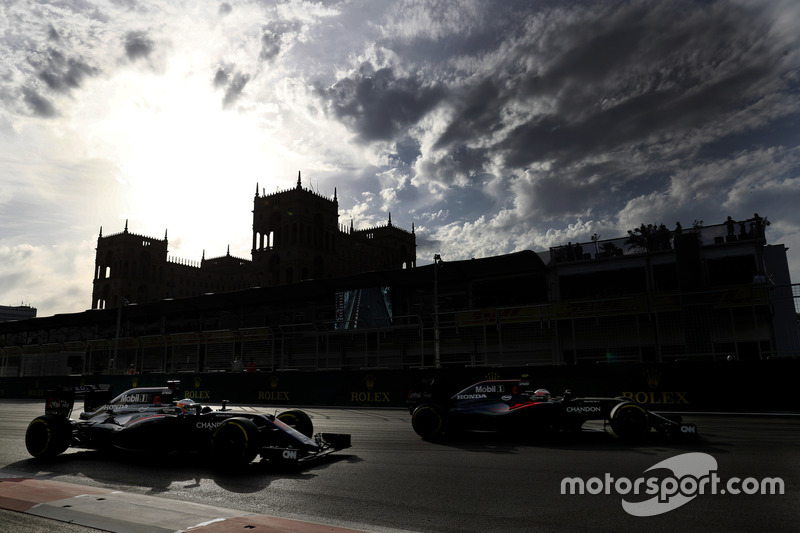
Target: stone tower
[(296, 236), (129, 267)]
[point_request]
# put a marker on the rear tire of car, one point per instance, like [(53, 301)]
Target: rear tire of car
[(234, 443), (298, 420), (427, 422), (629, 421), (48, 436)]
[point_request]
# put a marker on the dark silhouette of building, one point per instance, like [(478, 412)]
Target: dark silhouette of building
[(643, 298), (296, 236), (16, 312)]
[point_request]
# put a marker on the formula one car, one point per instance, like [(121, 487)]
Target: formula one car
[(513, 405), (154, 420)]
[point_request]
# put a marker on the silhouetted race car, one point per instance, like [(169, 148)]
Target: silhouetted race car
[(155, 420), (513, 405)]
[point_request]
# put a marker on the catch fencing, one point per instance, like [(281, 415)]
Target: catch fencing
[(641, 328)]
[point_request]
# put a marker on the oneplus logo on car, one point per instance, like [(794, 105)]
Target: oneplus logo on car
[(693, 474)]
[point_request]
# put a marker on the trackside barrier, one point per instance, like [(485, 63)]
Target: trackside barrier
[(767, 385)]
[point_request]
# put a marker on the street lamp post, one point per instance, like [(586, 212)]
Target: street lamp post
[(437, 261), (112, 364)]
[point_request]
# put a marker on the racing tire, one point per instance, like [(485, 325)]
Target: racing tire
[(48, 436), (427, 422), (298, 420), (629, 421), (234, 443)]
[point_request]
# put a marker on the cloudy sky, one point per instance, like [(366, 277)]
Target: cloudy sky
[(492, 127)]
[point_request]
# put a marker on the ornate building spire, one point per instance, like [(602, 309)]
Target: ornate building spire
[(298, 180)]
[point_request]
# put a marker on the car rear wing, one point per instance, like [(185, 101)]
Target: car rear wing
[(61, 400)]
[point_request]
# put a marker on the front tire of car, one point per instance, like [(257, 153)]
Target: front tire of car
[(234, 443), (298, 420), (48, 436), (629, 421), (427, 422)]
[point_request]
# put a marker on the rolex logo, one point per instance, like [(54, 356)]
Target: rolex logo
[(197, 381), (369, 379), (653, 377), (492, 375), (273, 382)]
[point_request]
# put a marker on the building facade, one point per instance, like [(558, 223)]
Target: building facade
[(16, 312), (697, 295), (296, 236)]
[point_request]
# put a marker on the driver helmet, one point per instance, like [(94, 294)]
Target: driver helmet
[(186, 405), (541, 395)]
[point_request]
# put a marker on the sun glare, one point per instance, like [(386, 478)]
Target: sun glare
[(188, 164)]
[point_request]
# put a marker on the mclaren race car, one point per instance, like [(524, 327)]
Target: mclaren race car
[(156, 420), (513, 405)]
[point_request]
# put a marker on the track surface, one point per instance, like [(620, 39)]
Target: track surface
[(392, 480)]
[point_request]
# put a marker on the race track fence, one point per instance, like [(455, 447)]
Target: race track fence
[(647, 329)]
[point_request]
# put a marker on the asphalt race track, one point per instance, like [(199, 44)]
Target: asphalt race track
[(391, 480)]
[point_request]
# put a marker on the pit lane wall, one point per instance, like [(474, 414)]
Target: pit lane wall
[(739, 386)]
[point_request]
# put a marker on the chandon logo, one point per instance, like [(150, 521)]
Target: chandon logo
[(207, 425), (584, 409), (693, 474)]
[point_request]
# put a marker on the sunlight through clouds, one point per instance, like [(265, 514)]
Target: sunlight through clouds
[(492, 126)]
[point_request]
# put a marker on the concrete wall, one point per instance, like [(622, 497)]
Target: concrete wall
[(692, 386)]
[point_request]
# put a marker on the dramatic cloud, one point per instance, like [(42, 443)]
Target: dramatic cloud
[(138, 45), (492, 126), (62, 74), (40, 105), (380, 106)]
